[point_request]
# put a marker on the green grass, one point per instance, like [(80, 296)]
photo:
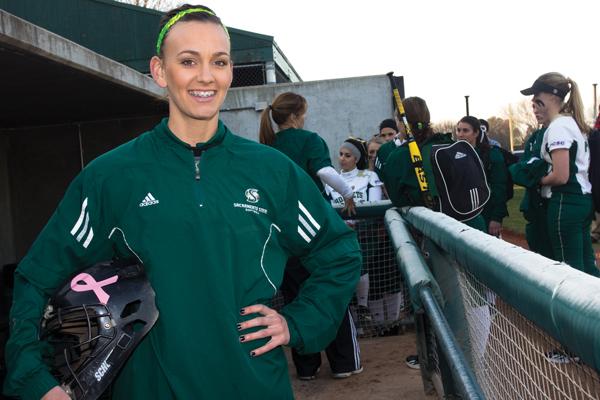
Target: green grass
[(515, 221)]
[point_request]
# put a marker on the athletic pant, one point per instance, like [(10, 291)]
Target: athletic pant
[(343, 353), (569, 219), (536, 230)]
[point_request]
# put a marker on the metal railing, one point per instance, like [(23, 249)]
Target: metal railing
[(494, 320)]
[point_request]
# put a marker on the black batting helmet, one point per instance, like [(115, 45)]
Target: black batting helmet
[(94, 322)]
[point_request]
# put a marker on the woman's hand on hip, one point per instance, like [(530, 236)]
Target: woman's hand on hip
[(274, 326)]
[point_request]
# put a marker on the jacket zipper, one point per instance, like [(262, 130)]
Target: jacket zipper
[(197, 154), (197, 188)]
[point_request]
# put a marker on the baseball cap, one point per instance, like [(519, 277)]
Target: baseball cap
[(539, 86)]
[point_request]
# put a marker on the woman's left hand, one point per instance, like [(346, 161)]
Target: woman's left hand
[(275, 327)]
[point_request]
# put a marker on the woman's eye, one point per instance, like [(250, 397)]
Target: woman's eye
[(222, 63), (187, 62)]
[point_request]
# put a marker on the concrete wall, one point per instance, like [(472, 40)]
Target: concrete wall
[(337, 108)]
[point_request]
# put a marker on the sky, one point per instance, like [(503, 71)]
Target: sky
[(486, 49)]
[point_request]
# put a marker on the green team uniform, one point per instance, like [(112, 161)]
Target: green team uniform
[(214, 225), (497, 177), (401, 181), (382, 155), (306, 149), (570, 206), (309, 151), (528, 172)]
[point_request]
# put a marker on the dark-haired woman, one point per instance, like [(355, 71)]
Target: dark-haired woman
[(399, 175), (469, 129), (353, 159), (214, 242)]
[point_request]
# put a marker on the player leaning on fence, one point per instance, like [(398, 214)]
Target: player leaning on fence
[(566, 186), (398, 172), (220, 220)]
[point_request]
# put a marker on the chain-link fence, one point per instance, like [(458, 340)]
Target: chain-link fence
[(249, 75)]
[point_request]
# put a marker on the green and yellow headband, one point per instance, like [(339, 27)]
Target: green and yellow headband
[(177, 17)]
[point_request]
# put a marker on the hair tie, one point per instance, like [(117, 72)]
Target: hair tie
[(177, 17)]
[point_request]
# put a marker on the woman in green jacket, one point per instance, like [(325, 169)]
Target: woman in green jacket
[(528, 172), (469, 129), (310, 152), (225, 214)]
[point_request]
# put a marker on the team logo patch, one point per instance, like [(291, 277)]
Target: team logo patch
[(252, 195)]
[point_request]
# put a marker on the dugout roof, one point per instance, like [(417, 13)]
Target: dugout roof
[(47, 79), (127, 33)]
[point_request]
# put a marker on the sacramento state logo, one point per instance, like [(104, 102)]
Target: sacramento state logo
[(252, 195)]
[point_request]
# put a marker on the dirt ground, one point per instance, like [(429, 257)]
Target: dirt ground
[(385, 375)]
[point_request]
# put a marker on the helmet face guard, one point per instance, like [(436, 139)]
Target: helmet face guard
[(94, 322)]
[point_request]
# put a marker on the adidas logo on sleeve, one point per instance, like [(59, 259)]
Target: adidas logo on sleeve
[(149, 200)]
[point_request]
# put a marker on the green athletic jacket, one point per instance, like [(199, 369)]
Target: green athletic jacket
[(401, 181), (214, 233), (497, 177), (382, 155), (306, 149), (528, 173)]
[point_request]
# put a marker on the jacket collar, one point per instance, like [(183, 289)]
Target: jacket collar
[(221, 136)]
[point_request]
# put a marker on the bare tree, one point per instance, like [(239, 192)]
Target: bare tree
[(444, 126), (162, 5), (522, 117)]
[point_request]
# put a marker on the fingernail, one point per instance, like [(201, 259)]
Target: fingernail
[(242, 311), (252, 354), (242, 338), (239, 327)]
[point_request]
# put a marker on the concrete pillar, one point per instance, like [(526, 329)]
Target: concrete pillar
[(270, 72)]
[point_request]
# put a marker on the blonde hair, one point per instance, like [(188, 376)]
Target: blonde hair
[(574, 105), (376, 139)]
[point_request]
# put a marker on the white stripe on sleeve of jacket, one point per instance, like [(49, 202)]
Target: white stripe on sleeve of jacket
[(307, 214), (84, 217), (80, 220), (311, 227), (304, 236)]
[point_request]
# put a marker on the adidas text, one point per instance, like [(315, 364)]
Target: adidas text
[(149, 200)]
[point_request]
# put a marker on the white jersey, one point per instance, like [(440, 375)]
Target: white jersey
[(563, 133), (365, 184)]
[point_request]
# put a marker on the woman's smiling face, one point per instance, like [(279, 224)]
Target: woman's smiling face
[(196, 70)]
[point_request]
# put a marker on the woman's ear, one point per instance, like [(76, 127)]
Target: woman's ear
[(157, 71)]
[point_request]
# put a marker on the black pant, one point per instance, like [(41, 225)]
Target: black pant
[(343, 353)]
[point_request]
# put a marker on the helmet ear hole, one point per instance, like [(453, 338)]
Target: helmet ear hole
[(131, 308), (135, 326)]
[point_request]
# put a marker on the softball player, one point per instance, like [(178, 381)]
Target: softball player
[(566, 185), (206, 213), (310, 152)]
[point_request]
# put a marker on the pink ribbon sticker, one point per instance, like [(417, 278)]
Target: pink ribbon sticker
[(91, 284)]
